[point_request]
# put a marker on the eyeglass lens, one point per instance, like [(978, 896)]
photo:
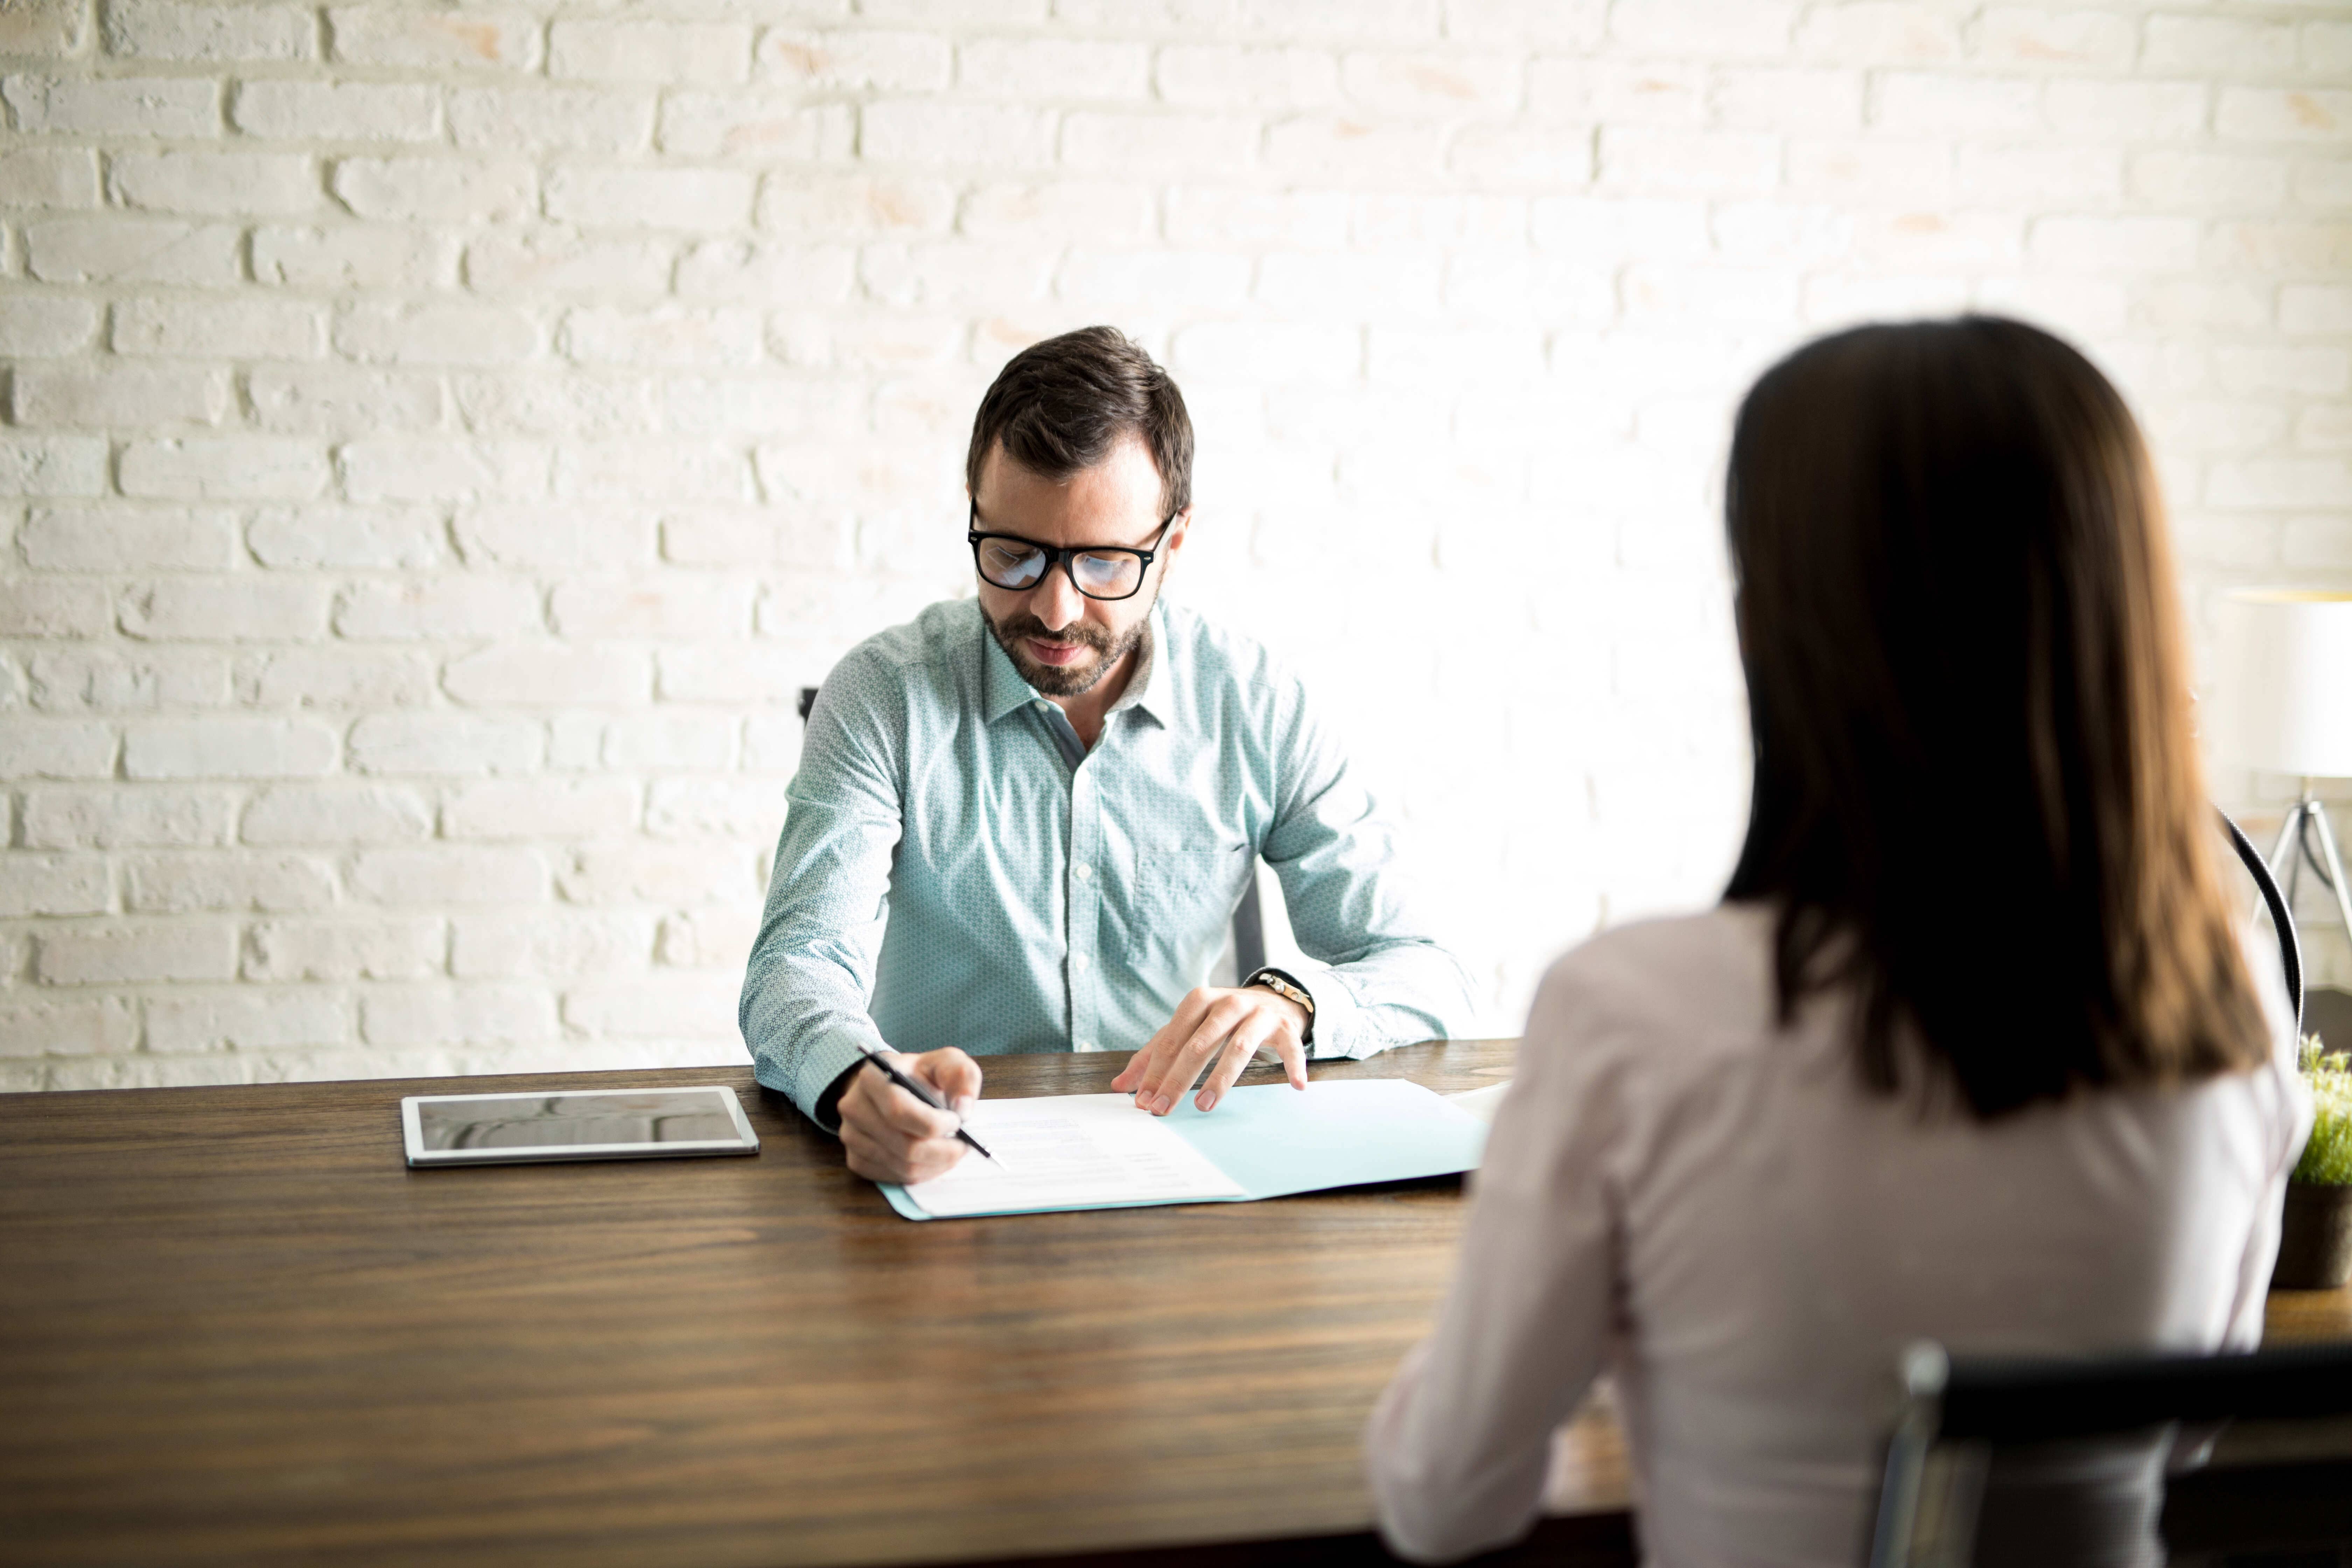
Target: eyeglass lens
[(1010, 564)]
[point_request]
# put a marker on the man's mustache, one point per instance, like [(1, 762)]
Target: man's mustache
[(1076, 634)]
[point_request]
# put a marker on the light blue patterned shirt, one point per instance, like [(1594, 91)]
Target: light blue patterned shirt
[(954, 853)]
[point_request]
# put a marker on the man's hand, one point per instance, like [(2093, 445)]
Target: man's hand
[(1239, 1023), (891, 1136)]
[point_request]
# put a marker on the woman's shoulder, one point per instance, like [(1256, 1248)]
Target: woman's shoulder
[(1678, 983)]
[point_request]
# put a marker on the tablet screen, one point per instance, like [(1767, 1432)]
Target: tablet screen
[(607, 1121)]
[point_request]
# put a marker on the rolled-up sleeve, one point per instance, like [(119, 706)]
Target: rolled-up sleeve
[(803, 1010), (1353, 904)]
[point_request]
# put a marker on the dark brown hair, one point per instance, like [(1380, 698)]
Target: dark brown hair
[(1062, 404), (1977, 800)]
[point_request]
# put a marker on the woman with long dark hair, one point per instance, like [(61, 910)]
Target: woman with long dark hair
[(1971, 1051)]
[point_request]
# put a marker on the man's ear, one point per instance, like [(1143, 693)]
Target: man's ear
[(1178, 532)]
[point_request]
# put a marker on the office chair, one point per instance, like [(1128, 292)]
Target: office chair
[(2282, 1504), (2279, 1492), (1249, 915)]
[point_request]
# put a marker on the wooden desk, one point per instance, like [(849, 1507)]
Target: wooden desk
[(235, 1328)]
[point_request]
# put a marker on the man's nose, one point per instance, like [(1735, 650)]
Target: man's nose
[(1056, 601)]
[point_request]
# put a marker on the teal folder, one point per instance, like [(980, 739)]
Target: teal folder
[(1274, 1141)]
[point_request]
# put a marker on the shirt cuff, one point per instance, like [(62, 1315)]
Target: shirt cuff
[(818, 1066), (1339, 1022)]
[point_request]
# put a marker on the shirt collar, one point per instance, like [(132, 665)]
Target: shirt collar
[(1148, 692)]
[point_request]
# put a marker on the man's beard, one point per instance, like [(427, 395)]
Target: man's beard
[(1063, 680)]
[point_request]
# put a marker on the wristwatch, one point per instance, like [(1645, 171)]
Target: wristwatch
[(1282, 982)]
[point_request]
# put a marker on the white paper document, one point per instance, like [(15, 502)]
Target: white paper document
[(1070, 1151)]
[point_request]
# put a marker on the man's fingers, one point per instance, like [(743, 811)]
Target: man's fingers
[(1179, 1067), (1234, 1062), (955, 1075), (883, 1159), (878, 1105)]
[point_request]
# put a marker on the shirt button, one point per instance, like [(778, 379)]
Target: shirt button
[(1084, 872), (1078, 962), (1086, 1044), (1043, 706)]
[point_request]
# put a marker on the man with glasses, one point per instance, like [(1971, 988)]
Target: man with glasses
[(1022, 821)]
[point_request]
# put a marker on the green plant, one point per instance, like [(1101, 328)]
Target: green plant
[(2327, 1158)]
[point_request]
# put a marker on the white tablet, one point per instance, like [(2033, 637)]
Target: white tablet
[(575, 1124)]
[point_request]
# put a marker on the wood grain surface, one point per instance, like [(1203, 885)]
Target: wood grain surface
[(236, 1327)]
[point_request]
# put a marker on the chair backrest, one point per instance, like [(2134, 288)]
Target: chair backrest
[(1961, 1414)]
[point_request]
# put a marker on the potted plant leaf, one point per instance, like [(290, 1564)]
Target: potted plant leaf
[(2316, 1234)]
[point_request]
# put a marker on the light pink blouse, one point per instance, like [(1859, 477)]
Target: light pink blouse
[(1715, 1212)]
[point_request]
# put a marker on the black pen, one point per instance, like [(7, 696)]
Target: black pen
[(923, 1092)]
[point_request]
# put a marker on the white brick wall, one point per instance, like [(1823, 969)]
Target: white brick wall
[(440, 440)]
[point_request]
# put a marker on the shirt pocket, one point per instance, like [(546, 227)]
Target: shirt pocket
[(1184, 895)]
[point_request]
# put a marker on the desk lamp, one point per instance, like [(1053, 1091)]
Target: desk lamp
[(2284, 701)]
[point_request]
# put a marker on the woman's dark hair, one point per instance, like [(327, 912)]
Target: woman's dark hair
[(1062, 404), (1978, 801)]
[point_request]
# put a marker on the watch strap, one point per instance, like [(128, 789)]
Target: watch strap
[(1282, 982)]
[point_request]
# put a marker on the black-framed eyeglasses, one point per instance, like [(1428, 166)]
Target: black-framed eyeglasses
[(1098, 571)]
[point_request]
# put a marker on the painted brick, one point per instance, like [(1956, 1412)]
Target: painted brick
[(2206, 181), (557, 119), (238, 608), (2127, 111), (235, 1021), (558, 261), (224, 468), (914, 131), (653, 1009), (475, 38), (1022, 70), (2284, 114), (435, 332), (183, 881), (132, 250), (762, 126), (553, 402), (226, 747), (455, 606), (532, 809), (56, 749), (117, 395), (300, 950), (565, 537), (1428, 83), (653, 198), (848, 60), (105, 1025), (337, 111), (448, 877), (683, 609), (51, 27), (180, 107), (174, 30), (2313, 308), (105, 679), (122, 538), (2197, 45), (649, 51), (1347, 150), (468, 1016), (436, 190), (706, 939), (445, 744), (344, 538), (112, 816), (674, 335), (53, 885), (36, 326), (332, 677), (353, 256), (554, 946), (742, 808), (151, 951), (523, 675), (1920, 101), (1263, 78), (334, 814), (49, 177), (339, 400), (251, 326), (2037, 38), (838, 206), (52, 466), (1719, 29)]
